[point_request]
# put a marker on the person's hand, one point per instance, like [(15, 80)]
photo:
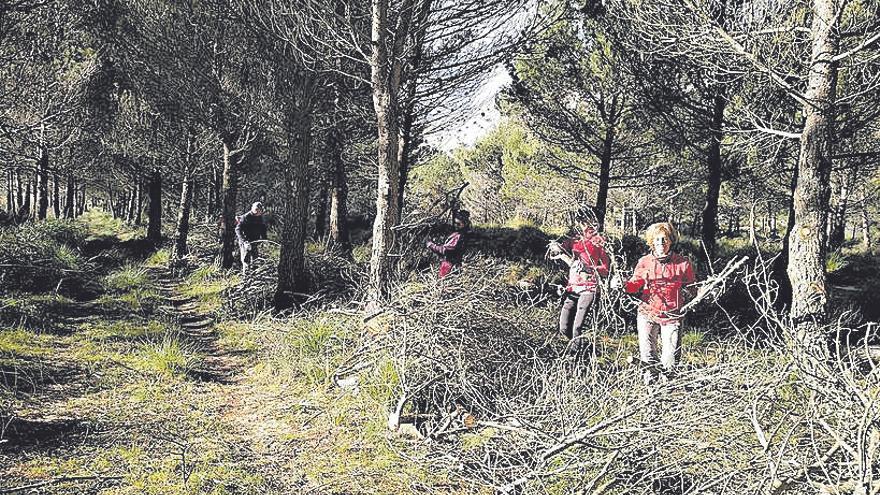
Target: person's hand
[(616, 282), (429, 244)]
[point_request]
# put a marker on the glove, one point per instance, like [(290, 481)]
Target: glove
[(616, 283)]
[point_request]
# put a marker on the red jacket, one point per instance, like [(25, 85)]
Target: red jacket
[(590, 251), (661, 284)]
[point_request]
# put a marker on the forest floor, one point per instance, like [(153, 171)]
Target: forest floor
[(146, 385), (145, 390)]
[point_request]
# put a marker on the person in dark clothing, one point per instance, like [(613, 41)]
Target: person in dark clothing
[(452, 250), (249, 229)]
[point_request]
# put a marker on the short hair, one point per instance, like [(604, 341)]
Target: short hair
[(665, 228), (256, 205)]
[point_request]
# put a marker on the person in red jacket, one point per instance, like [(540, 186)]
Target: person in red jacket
[(452, 250), (662, 280), (588, 262)]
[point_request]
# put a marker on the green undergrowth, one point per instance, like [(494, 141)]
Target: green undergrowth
[(101, 224), (159, 259), (351, 448), (206, 285)]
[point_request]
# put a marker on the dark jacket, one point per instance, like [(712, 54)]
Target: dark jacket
[(250, 228)]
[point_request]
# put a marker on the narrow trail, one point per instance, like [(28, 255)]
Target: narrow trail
[(216, 364)]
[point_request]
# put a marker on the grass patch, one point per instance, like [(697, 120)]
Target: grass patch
[(105, 331), (128, 278), (206, 285), (139, 300), (19, 343), (166, 357), (237, 336), (101, 224), (159, 259), (836, 261)]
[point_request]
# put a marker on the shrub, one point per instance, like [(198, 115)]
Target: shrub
[(835, 262), (41, 257)]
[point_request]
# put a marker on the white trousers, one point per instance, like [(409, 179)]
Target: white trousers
[(670, 342)]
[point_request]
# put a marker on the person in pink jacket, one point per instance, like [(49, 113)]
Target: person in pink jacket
[(662, 280), (452, 250), (588, 261)]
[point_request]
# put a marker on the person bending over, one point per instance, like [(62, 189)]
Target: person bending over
[(452, 250), (250, 229)]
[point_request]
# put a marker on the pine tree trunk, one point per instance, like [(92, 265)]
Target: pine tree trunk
[(139, 201), (56, 196), (81, 205), (43, 184), (10, 192), (130, 204), (321, 211), (713, 181), (154, 219), (70, 202), (806, 267), (229, 194), (19, 190), (339, 233), (183, 215), (26, 203), (837, 230), (604, 176), (386, 70), (292, 278)]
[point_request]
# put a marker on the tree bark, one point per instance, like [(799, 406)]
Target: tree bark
[(26, 203), (139, 201), (604, 175), (292, 277), (229, 193), (19, 189), (10, 192), (130, 204), (866, 229), (339, 233), (321, 210), (183, 216), (806, 267), (70, 201), (43, 184), (385, 67), (154, 225), (837, 230), (56, 196), (752, 228), (713, 181)]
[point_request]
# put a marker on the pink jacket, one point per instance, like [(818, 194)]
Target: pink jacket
[(661, 284), (594, 262)]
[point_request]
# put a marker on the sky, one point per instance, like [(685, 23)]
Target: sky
[(481, 118)]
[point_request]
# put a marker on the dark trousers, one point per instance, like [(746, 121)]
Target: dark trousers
[(574, 312)]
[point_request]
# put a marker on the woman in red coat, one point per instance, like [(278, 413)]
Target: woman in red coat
[(588, 262), (662, 280)]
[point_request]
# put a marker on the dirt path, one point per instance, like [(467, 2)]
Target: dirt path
[(216, 363)]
